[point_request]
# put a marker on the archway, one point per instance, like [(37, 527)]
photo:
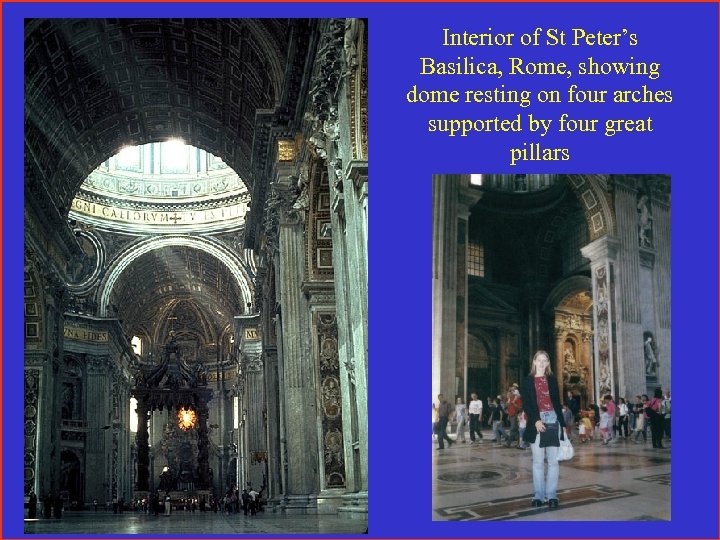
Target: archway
[(569, 307), (71, 482)]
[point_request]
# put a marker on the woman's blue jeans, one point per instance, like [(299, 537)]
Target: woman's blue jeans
[(545, 486)]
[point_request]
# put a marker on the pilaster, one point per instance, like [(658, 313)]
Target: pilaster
[(602, 254), (300, 386)]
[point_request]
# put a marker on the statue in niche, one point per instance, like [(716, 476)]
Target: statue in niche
[(650, 360), (644, 221), (573, 374)]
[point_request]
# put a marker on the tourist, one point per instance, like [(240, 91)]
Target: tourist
[(657, 421), (460, 419), (640, 425), (444, 411), (541, 402), (475, 409), (254, 498), (514, 405), (522, 426), (612, 415), (604, 424), (496, 421), (623, 419), (665, 409)]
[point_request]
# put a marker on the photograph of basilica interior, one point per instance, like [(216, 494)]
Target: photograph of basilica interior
[(195, 276), (578, 267)]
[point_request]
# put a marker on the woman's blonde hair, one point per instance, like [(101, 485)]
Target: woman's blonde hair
[(548, 370)]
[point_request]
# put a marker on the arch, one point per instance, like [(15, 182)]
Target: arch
[(592, 192), (207, 245), (567, 286), (88, 282), (90, 116)]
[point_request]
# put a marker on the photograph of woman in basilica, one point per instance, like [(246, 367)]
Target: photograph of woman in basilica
[(545, 428), (552, 290)]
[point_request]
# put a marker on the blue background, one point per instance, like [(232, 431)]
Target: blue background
[(682, 37)]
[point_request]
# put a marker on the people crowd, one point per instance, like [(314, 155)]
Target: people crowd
[(609, 421), (534, 417)]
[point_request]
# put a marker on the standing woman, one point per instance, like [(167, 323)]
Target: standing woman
[(657, 420), (541, 399), (461, 419)]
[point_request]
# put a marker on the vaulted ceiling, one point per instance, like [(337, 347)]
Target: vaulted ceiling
[(177, 288), (94, 86)]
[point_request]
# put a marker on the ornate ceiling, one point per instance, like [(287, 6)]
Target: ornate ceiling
[(177, 288), (96, 86), (93, 86)]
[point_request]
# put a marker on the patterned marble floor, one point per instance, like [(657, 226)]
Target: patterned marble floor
[(488, 482), (193, 523)]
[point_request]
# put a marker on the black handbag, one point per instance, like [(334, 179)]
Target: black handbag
[(551, 435)]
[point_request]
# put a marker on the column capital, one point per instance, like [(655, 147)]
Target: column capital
[(603, 249)]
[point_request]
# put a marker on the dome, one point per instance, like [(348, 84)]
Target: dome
[(158, 186)]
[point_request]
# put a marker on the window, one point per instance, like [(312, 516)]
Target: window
[(133, 415), (136, 343), (476, 179), (476, 259), (236, 412), (174, 157)]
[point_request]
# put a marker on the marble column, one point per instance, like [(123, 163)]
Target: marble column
[(602, 254)]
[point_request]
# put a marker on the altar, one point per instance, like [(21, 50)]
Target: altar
[(183, 450)]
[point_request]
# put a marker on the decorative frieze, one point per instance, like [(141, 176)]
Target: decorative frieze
[(31, 406), (331, 400)]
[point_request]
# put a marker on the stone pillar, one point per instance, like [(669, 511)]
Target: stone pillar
[(247, 328), (99, 440), (272, 391), (300, 385), (452, 200), (629, 329), (602, 254), (662, 284), (256, 421)]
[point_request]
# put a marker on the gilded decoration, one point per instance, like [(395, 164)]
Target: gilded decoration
[(286, 150)]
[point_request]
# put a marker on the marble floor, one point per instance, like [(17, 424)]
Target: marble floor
[(486, 481), (193, 523)]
